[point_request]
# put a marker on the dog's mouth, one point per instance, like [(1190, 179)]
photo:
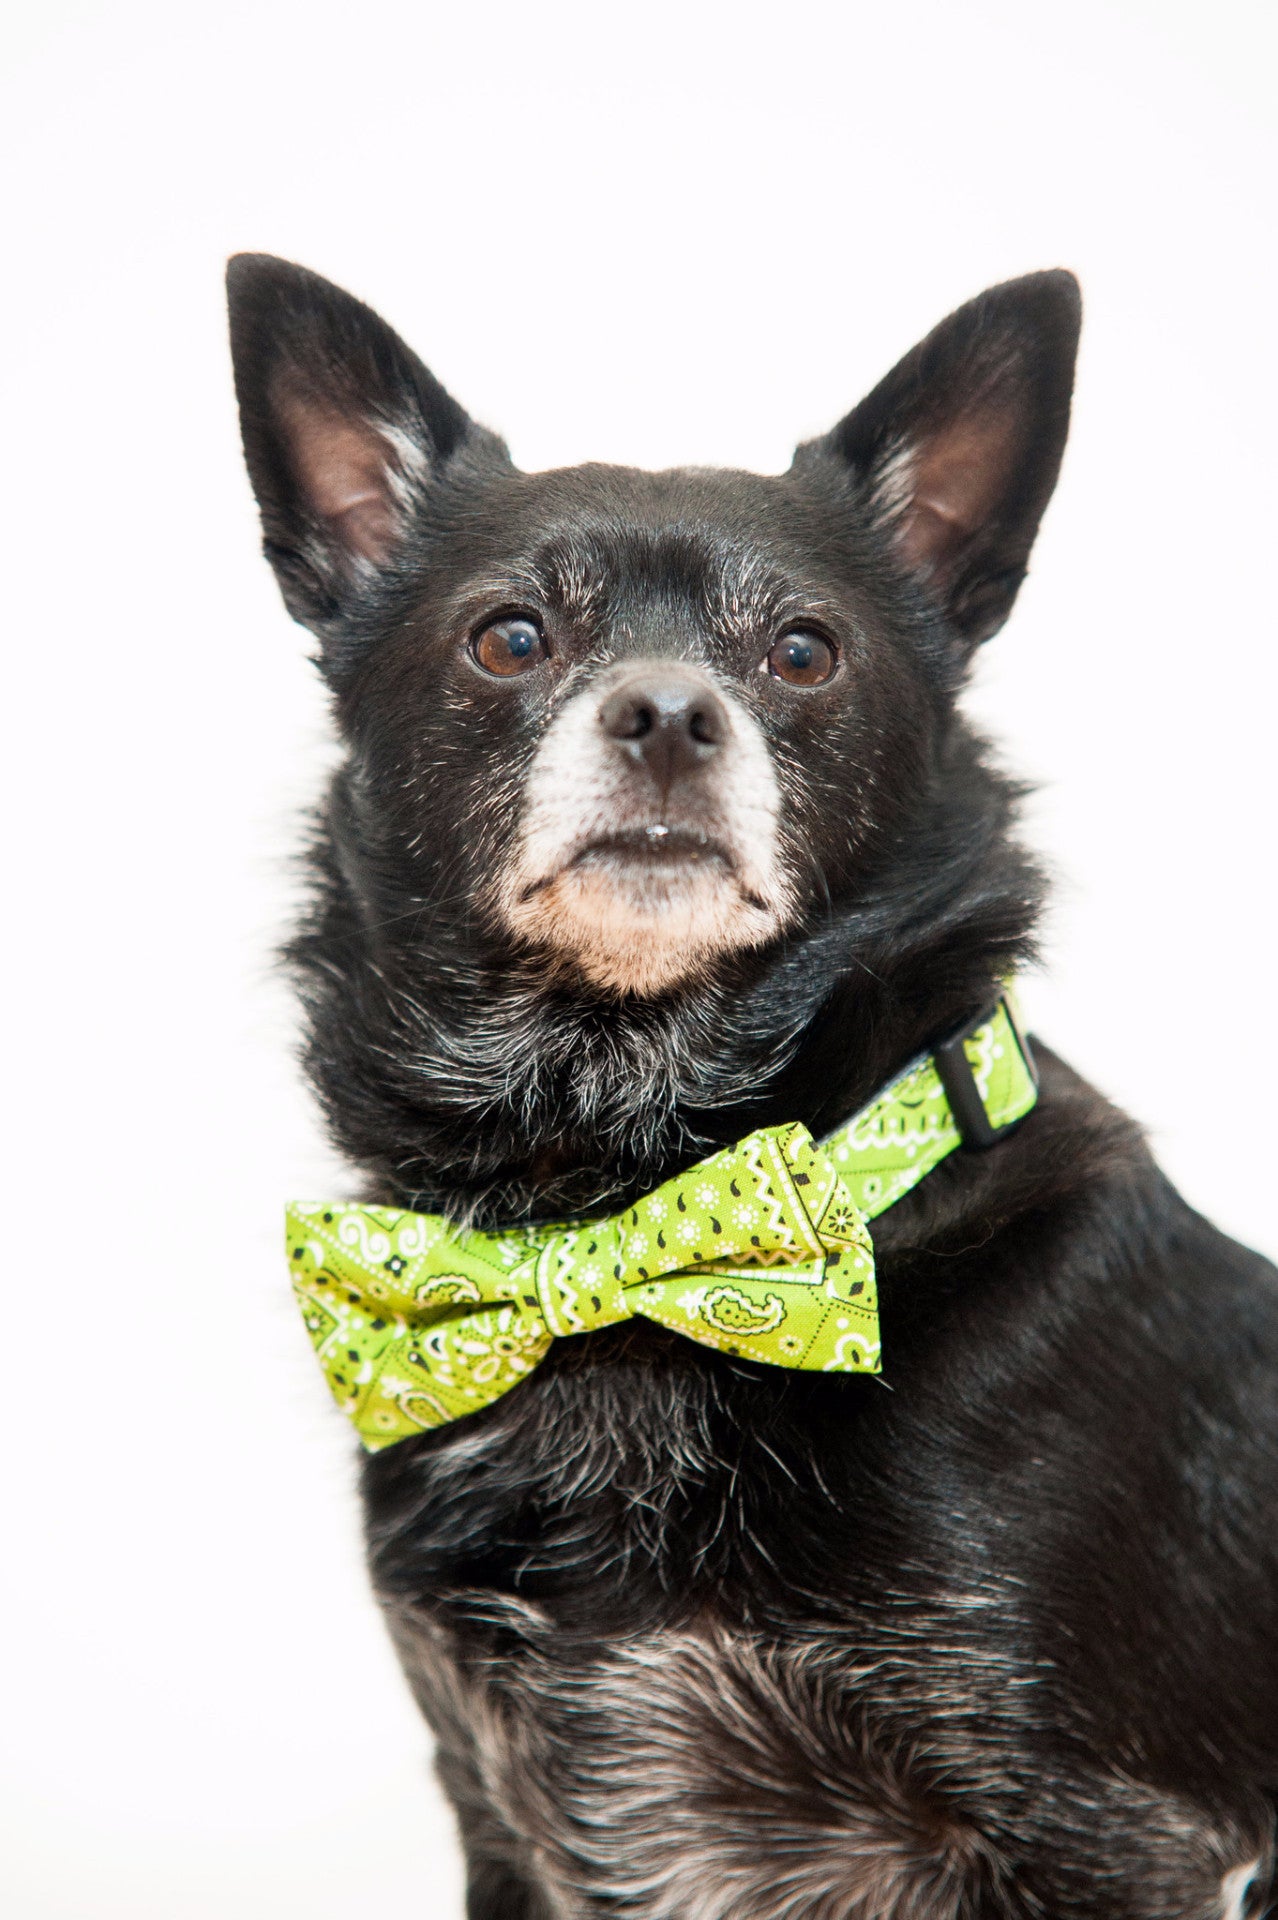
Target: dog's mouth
[(639, 908), (651, 850)]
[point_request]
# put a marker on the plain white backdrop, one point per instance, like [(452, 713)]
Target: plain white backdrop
[(675, 232)]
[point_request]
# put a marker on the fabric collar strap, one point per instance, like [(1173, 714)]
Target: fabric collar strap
[(761, 1251)]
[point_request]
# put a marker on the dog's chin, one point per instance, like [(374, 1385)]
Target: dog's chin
[(640, 917)]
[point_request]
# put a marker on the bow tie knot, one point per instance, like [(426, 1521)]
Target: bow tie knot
[(578, 1277), (757, 1251)]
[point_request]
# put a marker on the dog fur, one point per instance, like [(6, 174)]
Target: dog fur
[(701, 1639)]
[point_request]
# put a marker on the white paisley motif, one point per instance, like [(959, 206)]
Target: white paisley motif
[(413, 1401), (370, 1243), (865, 1348), (415, 1233), (445, 1289)]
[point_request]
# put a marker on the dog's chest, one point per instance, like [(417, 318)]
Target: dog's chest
[(710, 1775), (925, 1758)]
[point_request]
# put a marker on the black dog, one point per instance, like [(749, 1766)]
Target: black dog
[(659, 823)]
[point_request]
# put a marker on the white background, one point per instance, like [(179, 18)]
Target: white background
[(651, 234)]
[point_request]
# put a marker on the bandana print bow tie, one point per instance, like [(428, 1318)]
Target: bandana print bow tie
[(760, 1251), (757, 1250)]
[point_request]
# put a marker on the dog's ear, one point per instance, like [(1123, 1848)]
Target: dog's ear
[(344, 430), (957, 451)]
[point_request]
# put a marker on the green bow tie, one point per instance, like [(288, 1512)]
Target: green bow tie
[(761, 1251)]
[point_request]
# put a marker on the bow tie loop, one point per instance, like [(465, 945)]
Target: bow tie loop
[(579, 1278)]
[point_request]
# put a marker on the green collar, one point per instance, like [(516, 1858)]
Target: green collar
[(762, 1251)]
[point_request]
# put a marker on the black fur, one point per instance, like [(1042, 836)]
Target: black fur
[(994, 1636)]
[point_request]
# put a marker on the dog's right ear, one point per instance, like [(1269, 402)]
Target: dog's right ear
[(344, 431)]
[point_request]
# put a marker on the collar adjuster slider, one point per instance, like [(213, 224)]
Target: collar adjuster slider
[(959, 1081)]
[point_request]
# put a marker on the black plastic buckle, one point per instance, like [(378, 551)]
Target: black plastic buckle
[(956, 1076)]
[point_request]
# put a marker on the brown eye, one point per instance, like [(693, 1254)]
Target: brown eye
[(509, 647), (801, 658)]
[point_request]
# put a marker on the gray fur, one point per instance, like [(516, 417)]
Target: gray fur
[(703, 1774)]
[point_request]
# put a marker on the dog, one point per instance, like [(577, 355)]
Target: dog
[(659, 823)]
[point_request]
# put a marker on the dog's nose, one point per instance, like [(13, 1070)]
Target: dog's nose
[(667, 718)]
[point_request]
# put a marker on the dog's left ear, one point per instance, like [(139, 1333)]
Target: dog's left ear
[(957, 451)]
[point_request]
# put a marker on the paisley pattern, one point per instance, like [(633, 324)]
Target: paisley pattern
[(760, 1251)]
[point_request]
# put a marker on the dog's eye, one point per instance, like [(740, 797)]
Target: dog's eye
[(509, 647), (801, 658)]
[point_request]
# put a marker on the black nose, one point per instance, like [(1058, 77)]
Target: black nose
[(668, 718)]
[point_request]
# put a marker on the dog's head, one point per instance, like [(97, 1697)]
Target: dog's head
[(628, 727), (658, 816)]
